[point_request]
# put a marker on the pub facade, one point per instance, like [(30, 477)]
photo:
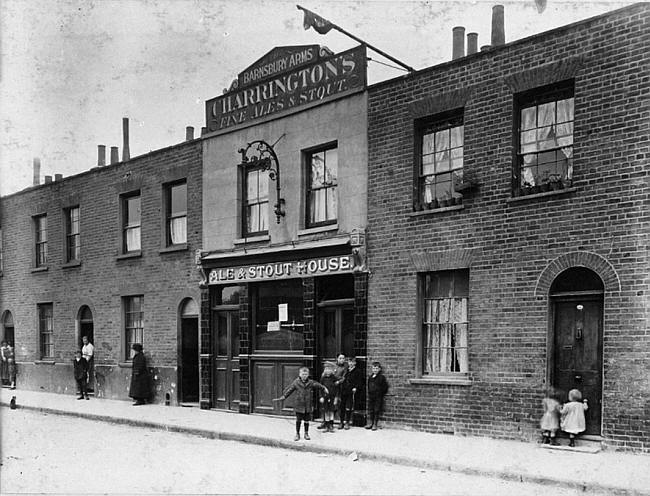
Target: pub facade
[(284, 218)]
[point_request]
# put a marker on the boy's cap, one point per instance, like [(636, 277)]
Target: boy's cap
[(330, 365), (77, 352)]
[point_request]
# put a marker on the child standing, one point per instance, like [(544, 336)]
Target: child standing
[(352, 382), (573, 415), (304, 387), (550, 421), (377, 389), (81, 374), (329, 399)]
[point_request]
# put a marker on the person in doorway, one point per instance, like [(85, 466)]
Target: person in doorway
[(4, 364), (352, 382), (377, 389), (304, 387), (329, 399), (139, 389), (88, 353), (573, 416), (81, 374), (339, 372), (550, 422)]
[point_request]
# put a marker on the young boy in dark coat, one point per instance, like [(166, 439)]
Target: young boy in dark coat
[(304, 387), (329, 399), (80, 374), (377, 389), (351, 385), (139, 389)]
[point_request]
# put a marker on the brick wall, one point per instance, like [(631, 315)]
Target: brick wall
[(512, 245), (102, 278)]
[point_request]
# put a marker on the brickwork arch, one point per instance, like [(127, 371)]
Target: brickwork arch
[(578, 259)]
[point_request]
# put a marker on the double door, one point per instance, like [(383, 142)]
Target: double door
[(225, 327)]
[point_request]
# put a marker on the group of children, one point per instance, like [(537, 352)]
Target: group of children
[(569, 417), (338, 389)]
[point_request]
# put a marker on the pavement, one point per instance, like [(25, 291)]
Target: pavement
[(604, 472)]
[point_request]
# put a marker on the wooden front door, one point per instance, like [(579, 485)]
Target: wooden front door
[(577, 353), (190, 359), (225, 327)]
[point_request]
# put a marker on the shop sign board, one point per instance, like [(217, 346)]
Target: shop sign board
[(339, 264)]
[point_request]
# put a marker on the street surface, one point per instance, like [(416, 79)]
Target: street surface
[(49, 454)]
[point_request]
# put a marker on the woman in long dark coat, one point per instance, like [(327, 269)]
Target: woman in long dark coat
[(139, 389)]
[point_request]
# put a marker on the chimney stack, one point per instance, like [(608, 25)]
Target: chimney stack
[(58, 177), (48, 179), (498, 26), (472, 43), (115, 155), (101, 155), (125, 139), (37, 171), (458, 43), (204, 130), (189, 133)]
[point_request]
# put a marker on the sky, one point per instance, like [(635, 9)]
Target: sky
[(70, 70)]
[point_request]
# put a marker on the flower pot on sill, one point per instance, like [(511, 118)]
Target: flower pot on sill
[(545, 187), (536, 189), (556, 185), (444, 202), (526, 190)]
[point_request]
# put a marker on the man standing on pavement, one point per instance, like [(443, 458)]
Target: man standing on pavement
[(88, 353)]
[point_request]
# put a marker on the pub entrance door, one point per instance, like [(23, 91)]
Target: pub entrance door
[(225, 327)]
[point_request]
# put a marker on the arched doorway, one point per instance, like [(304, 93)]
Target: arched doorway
[(577, 342), (86, 326), (8, 334), (189, 364)]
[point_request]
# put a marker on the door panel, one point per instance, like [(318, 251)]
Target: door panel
[(226, 361), (190, 359), (264, 380)]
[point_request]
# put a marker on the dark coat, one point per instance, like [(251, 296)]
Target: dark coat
[(377, 386), (80, 368), (139, 378), (304, 394), (353, 380), (329, 381)]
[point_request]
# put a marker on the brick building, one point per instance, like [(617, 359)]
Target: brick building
[(108, 253), (284, 217), (508, 196)]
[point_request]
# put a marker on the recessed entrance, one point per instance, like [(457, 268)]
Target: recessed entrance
[(189, 366)]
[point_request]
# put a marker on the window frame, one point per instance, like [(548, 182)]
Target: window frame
[(307, 156), (445, 120), (246, 204), (124, 226), (534, 98), (69, 235), (170, 216), (47, 331), (40, 243), (132, 332)]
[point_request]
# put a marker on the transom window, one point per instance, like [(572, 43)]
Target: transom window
[(545, 139), (321, 187), (444, 321), (256, 201), (176, 206), (72, 236), (46, 330), (133, 322), (131, 223), (40, 229), (440, 161)]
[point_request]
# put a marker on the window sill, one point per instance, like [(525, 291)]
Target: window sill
[(461, 380), (174, 248), (39, 269), (125, 365), (252, 239), (319, 229), (434, 211), (545, 194), (133, 254), (44, 361), (73, 263)]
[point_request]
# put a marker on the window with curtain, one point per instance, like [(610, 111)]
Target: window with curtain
[(133, 322), (321, 187), (46, 330), (40, 229), (445, 325), (545, 137), (131, 223), (176, 206), (256, 201), (440, 156), (72, 235)]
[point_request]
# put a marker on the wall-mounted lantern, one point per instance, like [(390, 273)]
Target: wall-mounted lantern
[(259, 153)]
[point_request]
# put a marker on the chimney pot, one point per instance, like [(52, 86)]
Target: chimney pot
[(204, 130), (48, 179), (115, 155), (498, 26), (37, 171), (458, 42), (58, 177), (472, 43), (485, 48), (125, 139), (189, 133), (101, 155)]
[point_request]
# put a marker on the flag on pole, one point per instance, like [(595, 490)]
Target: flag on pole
[(315, 21), (541, 5)]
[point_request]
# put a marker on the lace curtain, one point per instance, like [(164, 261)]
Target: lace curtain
[(446, 335), (178, 230)]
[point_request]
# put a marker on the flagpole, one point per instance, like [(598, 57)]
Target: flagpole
[(380, 52)]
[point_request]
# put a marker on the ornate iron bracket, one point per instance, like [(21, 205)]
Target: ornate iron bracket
[(260, 154)]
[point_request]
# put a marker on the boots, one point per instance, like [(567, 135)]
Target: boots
[(554, 442)]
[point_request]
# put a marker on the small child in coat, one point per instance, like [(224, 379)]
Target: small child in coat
[(329, 399), (377, 389), (352, 383), (573, 415), (81, 374), (550, 421), (304, 387)]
